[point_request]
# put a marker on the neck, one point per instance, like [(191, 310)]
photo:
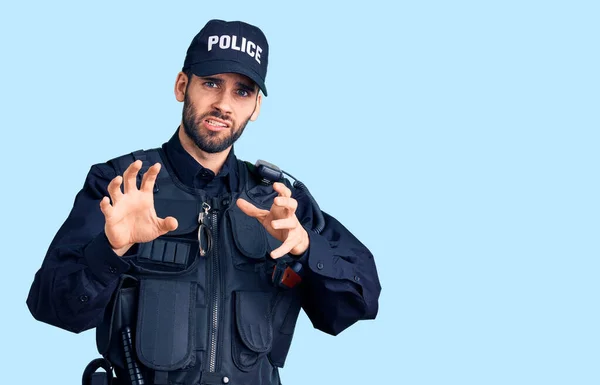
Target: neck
[(213, 162)]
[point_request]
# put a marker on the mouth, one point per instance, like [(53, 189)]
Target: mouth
[(215, 124)]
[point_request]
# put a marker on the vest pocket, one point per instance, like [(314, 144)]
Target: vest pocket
[(252, 334), (248, 246), (166, 329), (120, 313)]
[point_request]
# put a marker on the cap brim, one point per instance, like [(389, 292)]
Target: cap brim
[(215, 67)]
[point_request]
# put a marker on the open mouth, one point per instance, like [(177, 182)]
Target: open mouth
[(215, 124)]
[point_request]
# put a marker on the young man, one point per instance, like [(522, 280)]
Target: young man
[(191, 264)]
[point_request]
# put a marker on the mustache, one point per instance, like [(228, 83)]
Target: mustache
[(216, 114)]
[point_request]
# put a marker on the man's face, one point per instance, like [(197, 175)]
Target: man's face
[(217, 108)]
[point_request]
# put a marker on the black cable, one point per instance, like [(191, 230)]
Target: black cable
[(135, 374), (320, 225)]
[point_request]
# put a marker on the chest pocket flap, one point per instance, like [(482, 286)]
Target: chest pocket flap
[(248, 234)]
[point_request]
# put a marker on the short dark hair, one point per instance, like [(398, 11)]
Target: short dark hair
[(188, 73)]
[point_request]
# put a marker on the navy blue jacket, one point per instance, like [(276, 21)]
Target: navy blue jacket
[(80, 271)]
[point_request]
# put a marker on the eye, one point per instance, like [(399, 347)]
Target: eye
[(210, 84), (243, 93)]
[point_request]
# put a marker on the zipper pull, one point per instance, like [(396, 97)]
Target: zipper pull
[(203, 231), (203, 214)]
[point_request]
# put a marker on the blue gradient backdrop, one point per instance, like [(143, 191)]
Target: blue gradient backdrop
[(474, 125)]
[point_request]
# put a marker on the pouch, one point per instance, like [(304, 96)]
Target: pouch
[(166, 324), (248, 244), (252, 334)]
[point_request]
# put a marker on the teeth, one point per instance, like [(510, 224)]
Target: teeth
[(213, 123)]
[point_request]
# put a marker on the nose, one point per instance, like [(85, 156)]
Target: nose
[(223, 103)]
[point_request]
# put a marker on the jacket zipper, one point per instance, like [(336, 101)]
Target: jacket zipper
[(216, 294), (211, 234)]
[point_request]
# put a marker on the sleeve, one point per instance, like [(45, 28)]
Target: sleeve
[(80, 270), (340, 284)]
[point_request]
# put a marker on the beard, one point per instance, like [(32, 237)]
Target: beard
[(209, 141)]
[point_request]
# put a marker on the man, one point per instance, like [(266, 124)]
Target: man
[(191, 264)]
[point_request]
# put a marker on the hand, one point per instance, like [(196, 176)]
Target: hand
[(131, 218), (281, 222)]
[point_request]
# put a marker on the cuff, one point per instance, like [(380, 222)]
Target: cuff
[(303, 258), (102, 260), (320, 258)]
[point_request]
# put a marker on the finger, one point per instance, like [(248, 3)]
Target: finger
[(288, 203), (286, 223), (105, 207), (285, 247), (149, 178), (249, 209), (130, 174), (282, 189), (167, 224), (114, 189)]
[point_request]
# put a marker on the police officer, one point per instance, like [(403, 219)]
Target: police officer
[(191, 264)]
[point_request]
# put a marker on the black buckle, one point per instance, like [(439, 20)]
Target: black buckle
[(92, 367)]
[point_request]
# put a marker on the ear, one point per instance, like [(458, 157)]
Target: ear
[(180, 86), (254, 115)]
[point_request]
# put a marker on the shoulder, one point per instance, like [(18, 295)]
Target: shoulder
[(117, 165), (120, 163)]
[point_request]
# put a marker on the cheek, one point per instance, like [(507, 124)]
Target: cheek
[(245, 110), (201, 111), (201, 100)]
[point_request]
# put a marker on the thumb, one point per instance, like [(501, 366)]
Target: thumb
[(167, 224), (249, 209)]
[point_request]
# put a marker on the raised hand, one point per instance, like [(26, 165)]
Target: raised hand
[(131, 218), (280, 221)]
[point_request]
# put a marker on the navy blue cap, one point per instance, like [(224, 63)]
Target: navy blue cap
[(229, 46)]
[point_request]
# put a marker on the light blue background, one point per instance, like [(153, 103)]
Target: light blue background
[(474, 125)]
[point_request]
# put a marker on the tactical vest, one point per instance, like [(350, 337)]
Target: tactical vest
[(198, 305)]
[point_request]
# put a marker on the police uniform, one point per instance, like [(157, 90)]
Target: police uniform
[(201, 304)]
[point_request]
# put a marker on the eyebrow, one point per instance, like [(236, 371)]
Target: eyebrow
[(211, 79), (219, 81), (246, 87)]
